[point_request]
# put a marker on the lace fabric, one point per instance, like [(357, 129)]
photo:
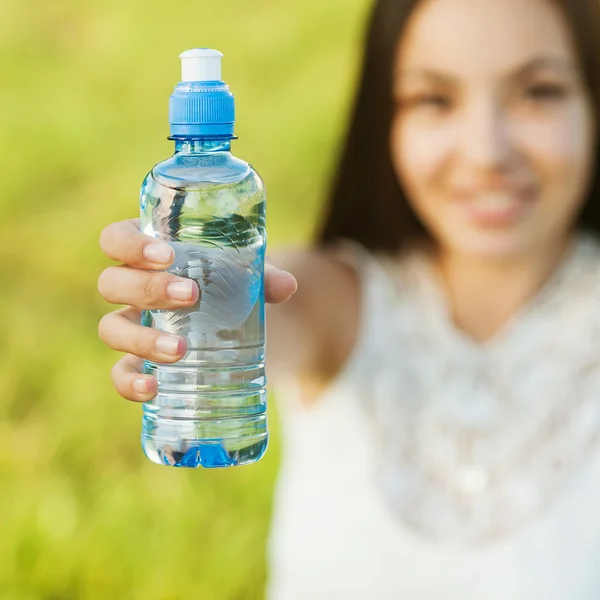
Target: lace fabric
[(474, 439)]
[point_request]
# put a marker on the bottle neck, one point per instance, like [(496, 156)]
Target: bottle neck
[(189, 146)]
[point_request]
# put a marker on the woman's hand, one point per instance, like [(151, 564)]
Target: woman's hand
[(133, 284)]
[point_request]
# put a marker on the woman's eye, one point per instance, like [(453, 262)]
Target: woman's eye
[(545, 92), (430, 101)]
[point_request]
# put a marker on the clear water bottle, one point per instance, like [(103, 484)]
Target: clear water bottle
[(210, 409)]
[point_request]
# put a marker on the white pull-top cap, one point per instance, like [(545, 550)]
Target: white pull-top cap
[(201, 64)]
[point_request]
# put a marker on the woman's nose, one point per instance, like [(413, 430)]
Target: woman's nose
[(484, 138)]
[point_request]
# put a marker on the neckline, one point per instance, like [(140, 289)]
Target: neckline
[(437, 299)]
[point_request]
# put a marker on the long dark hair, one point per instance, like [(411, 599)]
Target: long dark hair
[(366, 201)]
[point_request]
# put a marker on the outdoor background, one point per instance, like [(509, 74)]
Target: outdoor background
[(83, 96)]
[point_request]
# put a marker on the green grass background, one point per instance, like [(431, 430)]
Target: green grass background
[(83, 98)]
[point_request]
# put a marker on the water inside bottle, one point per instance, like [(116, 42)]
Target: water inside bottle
[(210, 408)]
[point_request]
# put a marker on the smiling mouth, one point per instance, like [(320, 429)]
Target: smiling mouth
[(495, 208)]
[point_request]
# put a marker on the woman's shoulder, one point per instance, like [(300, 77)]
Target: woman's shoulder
[(337, 277), (327, 277), (323, 313), (344, 290)]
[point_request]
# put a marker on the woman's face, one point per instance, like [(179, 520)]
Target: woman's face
[(493, 134)]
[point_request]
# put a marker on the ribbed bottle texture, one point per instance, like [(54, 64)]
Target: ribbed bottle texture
[(204, 108)]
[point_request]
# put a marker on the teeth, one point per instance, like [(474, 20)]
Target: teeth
[(494, 201)]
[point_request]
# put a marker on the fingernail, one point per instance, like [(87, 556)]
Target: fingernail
[(290, 276), (139, 385), (167, 344), (158, 252), (180, 290)]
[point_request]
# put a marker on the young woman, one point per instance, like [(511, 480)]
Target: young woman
[(439, 364)]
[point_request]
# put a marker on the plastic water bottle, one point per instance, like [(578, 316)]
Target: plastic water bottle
[(210, 410)]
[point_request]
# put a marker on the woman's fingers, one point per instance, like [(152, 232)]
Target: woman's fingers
[(121, 330), (137, 284), (279, 285), (122, 241), (159, 290), (145, 289), (129, 381)]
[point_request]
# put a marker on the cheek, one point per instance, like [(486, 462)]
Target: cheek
[(421, 155), (419, 152), (560, 151)]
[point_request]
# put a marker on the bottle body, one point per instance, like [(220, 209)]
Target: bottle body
[(210, 409)]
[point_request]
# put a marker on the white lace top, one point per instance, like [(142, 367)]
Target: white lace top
[(436, 468)]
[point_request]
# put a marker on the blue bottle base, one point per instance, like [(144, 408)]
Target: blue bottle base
[(209, 454), (210, 417)]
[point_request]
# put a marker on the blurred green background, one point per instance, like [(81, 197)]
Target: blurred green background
[(84, 94)]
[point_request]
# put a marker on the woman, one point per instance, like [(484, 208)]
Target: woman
[(440, 360)]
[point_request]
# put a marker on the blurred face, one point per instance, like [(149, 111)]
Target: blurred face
[(493, 133)]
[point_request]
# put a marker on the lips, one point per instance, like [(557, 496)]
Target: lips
[(497, 208)]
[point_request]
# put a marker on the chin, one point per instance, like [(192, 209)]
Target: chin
[(498, 246)]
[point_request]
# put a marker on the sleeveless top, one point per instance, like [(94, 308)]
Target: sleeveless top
[(438, 468)]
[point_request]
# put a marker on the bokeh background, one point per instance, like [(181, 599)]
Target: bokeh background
[(83, 95)]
